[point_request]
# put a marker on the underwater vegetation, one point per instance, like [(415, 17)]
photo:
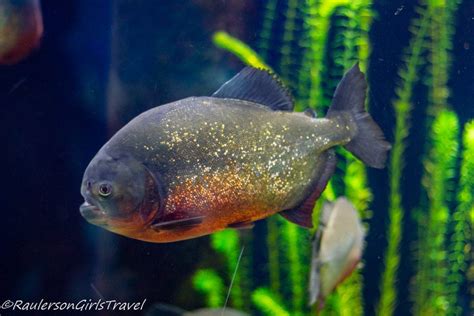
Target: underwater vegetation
[(319, 40)]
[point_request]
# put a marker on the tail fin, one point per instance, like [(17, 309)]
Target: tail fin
[(369, 143)]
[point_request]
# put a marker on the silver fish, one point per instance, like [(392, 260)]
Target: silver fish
[(337, 249)]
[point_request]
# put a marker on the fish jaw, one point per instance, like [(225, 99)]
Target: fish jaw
[(132, 226), (93, 214)]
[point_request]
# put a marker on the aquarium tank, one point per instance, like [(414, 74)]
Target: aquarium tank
[(75, 72)]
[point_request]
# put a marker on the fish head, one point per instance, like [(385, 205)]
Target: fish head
[(121, 194)]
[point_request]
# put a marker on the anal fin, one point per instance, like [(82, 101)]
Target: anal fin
[(302, 214)]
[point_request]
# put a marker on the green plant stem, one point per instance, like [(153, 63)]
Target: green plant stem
[(439, 182), (441, 33), (461, 244), (317, 24), (402, 106), (273, 253), (267, 28), (286, 61), (227, 242), (239, 49), (267, 303), (432, 270), (290, 233), (209, 283), (466, 203)]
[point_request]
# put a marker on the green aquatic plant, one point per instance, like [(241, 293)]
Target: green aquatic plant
[(227, 242), (441, 33), (273, 253), (209, 283), (317, 24), (294, 250), (267, 28), (430, 293), (438, 182), (345, 45), (402, 105), (266, 302), (239, 49), (463, 216), (287, 55), (463, 238)]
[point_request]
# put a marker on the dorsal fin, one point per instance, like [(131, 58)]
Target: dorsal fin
[(258, 86)]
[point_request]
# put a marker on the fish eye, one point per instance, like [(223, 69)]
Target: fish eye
[(105, 189)]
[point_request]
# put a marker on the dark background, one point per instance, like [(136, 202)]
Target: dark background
[(127, 56)]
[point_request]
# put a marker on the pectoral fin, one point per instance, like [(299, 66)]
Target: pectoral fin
[(242, 225), (184, 223)]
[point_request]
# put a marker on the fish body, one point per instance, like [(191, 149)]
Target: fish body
[(337, 248), (21, 28), (227, 161), (209, 163)]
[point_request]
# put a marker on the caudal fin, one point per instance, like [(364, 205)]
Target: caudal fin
[(368, 144)]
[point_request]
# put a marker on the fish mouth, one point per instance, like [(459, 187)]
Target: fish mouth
[(92, 213)]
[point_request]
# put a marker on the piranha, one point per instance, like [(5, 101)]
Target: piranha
[(21, 28), (202, 164), (337, 249)]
